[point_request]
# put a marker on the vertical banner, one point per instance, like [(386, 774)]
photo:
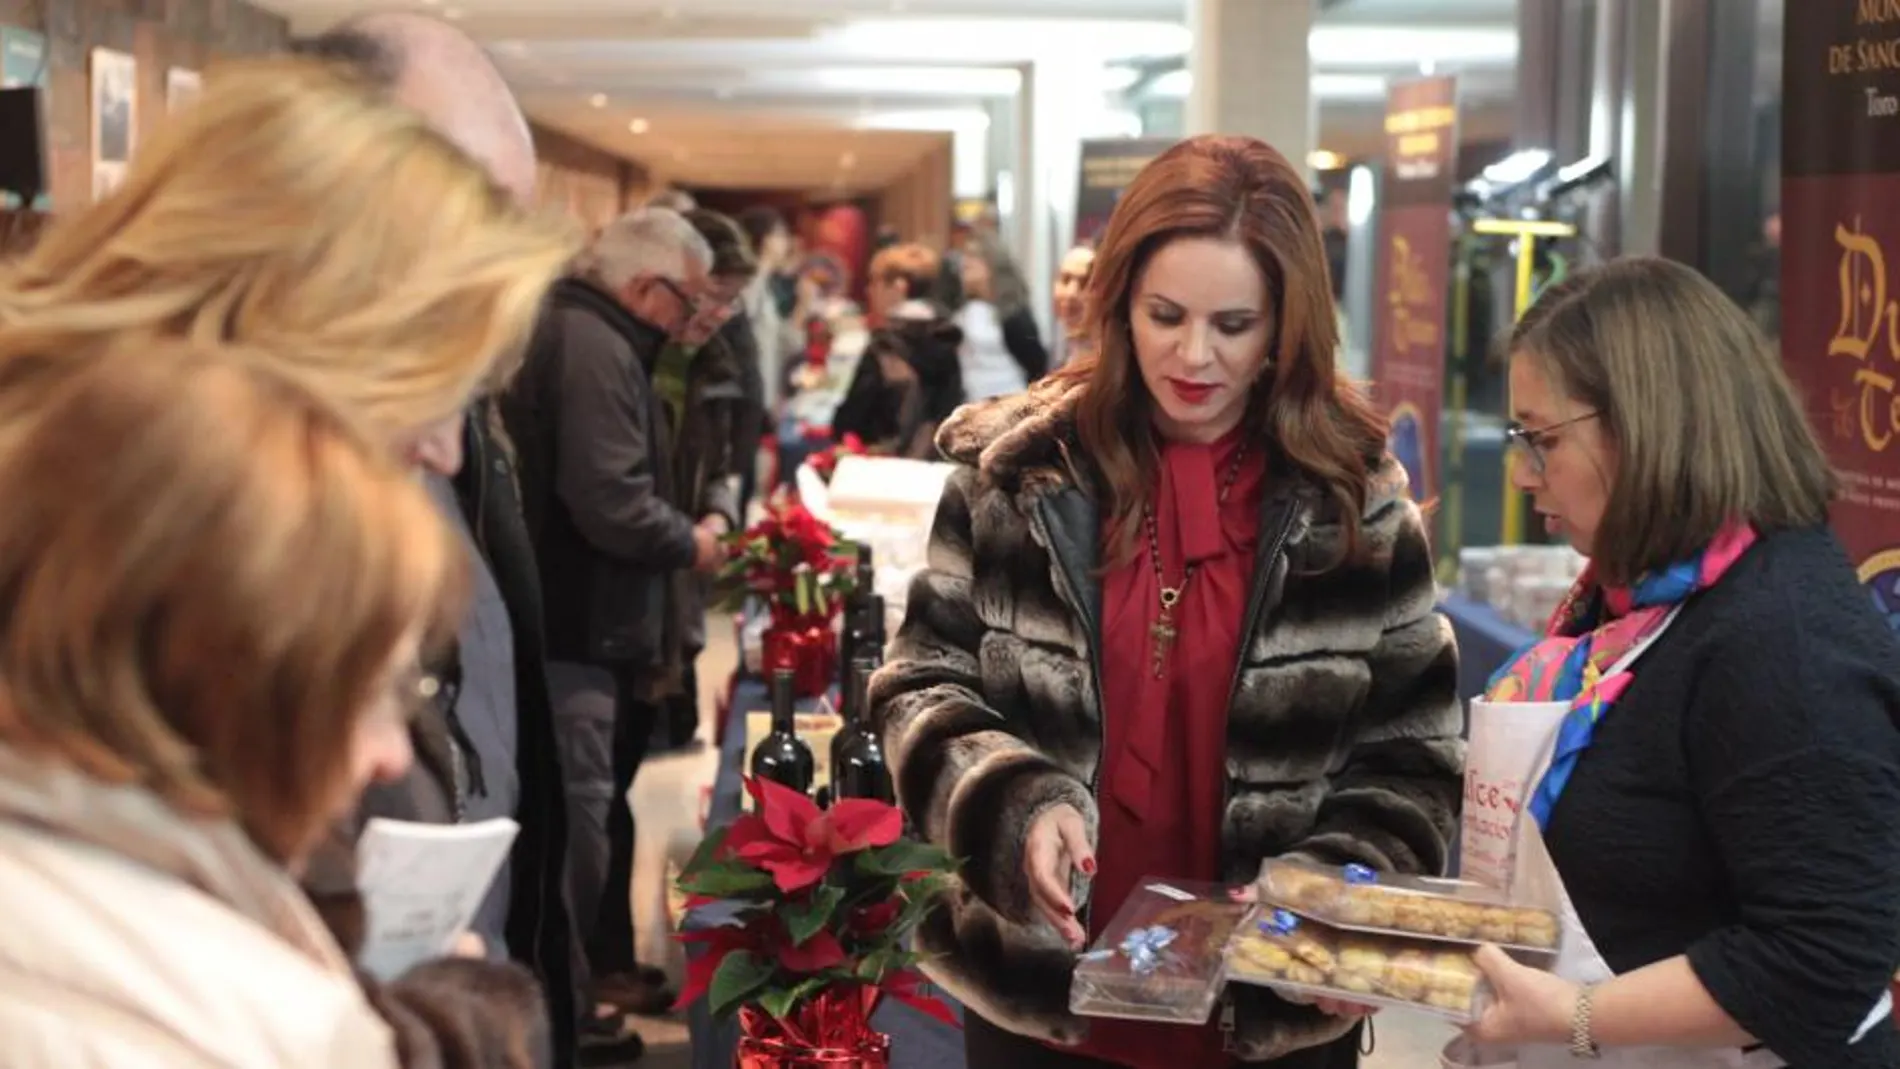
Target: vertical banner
[(1840, 240), (1107, 168), (23, 66), (1408, 352)]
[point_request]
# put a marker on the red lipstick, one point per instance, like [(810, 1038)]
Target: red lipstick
[(1192, 392)]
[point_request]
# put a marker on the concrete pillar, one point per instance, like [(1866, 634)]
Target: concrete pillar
[(1252, 73)]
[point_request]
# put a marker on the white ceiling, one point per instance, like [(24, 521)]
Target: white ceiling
[(835, 94)]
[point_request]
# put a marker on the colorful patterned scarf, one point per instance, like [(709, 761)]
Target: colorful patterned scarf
[(1570, 664)]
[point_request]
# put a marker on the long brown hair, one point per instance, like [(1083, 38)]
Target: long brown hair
[(1321, 425)]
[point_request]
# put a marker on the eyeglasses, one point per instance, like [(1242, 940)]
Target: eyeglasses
[(1530, 443), (688, 306)]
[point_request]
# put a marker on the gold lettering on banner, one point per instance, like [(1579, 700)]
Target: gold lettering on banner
[(1414, 320), (1869, 326), (1877, 52)]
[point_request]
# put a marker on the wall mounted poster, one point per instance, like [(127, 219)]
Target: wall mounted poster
[(181, 89), (1107, 168), (1840, 236), (114, 117), (1408, 354)]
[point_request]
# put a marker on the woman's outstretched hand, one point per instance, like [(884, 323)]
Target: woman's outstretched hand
[(1527, 1006), (1057, 846)]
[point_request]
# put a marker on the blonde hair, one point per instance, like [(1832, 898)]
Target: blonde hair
[(205, 573), (296, 210), (1707, 428)]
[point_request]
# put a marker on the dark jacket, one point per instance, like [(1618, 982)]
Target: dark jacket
[(539, 928), (720, 411), (600, 486), (1343, 732), (906, 384), (1737, 803)]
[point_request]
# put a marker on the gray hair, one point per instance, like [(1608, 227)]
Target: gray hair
[(648, 241)]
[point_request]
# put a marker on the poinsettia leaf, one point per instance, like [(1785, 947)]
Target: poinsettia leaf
[(920, 897), (806, 919), (737, 980), (725, 879), (778, 1002), (706, 852), (901, 857)]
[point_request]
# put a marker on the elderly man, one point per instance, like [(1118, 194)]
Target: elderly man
[(488, 750), (619, 535)]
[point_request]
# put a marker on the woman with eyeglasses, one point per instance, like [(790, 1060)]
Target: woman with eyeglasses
[(1716, 771)]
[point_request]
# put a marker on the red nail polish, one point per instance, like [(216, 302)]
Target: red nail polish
[(1088, 866)]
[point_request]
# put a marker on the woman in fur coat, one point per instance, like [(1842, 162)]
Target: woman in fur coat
[(1177, 619)]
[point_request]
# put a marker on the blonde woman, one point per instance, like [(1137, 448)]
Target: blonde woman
[(296, 209), (209, 645)]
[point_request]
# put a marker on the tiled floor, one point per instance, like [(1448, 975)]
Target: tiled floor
[(1404, 1040)]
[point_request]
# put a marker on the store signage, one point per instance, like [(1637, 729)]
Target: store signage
[(1840, 263), (1409, 342)]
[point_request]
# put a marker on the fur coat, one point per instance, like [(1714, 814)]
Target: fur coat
[(1344, 732)]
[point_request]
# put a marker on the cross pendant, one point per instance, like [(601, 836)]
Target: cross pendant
[(1163, 632)]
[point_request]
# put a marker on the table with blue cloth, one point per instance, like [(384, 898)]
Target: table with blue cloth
[(917, 1041)]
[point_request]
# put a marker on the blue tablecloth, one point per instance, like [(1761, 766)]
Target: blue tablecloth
[(917, 1042), (1485, 641)]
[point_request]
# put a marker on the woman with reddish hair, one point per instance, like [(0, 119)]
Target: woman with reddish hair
[(1177, 620)]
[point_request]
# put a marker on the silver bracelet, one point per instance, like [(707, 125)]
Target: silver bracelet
[(1583, 1042)]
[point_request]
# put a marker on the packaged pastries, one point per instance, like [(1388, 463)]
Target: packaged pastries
[(1358, 899), (1279, 949), (1162, 957)]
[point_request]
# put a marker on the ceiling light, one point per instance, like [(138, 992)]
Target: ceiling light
[(1406, 46), (1322, 160), (901, 81), (598, 100), (1178, 84), (638, 126), (926, 120), (989, 40)]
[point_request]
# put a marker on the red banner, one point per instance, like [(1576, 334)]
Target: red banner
[(1408, 355), (1840, 235)]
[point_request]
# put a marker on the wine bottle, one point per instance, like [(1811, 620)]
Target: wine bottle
[(782, 756), (858, 769), (854, 611)]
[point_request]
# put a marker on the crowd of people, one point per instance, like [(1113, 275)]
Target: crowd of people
[(341, 484)]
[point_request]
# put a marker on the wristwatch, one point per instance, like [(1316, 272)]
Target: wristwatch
[(1583, 1042)]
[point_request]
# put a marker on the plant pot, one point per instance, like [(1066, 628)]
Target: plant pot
[(874, 1053), (806, 645), (832, 1031)]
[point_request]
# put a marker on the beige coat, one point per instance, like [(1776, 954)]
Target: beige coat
[(133, 939)]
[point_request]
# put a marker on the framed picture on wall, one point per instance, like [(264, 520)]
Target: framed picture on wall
[(181, 89), (114, 117)]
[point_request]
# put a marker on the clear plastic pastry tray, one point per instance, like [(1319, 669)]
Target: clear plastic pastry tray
[(1162, 957), (1294, 956), (1355, 898)]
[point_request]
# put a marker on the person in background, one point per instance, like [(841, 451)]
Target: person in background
[(1718, 812), (1334, 224), (673, 199), (910, 378), (1178, 620), (619, 544), (389, 272), (716, 424), (1002, 350), (210, 645), (487, 747), (774, 325), (1071, 303)]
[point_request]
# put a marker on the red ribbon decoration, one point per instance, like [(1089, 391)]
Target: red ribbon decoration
[(831, 1030)]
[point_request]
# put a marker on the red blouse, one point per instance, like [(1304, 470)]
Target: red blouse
[(1164, 763)]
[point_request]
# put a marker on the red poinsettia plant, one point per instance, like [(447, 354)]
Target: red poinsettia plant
[(825, 461), (798, 565), (825, 903)]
